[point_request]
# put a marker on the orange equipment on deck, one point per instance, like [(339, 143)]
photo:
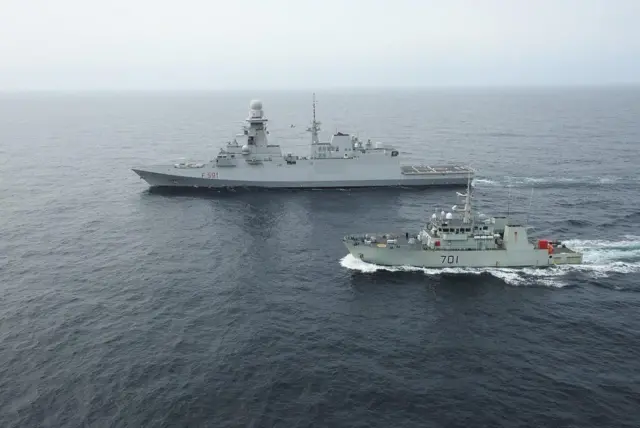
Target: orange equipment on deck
[(544, 244)]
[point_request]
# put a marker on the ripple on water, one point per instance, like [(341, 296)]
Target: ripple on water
[(128, 307)]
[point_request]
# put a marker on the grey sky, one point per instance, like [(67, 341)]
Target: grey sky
[(200, 44)]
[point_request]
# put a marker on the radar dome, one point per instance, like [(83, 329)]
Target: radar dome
[(255, 105), (449, 216), (245, 149)]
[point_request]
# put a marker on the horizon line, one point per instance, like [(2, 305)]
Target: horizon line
[(331, 88)]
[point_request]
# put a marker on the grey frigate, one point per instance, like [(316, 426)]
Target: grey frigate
[(463, 239), (250, 160)]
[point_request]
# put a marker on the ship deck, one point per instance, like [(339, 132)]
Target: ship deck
[(435, 169), (563, 250), (400, 240)]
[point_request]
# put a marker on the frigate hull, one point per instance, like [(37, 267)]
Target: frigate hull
[(299, 176)]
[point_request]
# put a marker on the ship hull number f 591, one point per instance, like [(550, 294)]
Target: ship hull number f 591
[(450, 260), (209, 175)]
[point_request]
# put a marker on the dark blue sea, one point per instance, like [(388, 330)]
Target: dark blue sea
[(122, 307)]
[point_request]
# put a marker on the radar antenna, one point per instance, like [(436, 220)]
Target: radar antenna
[(315, 125)]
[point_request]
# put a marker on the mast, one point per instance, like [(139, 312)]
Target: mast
[(468, 216), (315, 125), (530, 202), (509, 204), (467, 203)]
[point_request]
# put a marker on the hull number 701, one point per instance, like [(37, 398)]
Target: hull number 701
[(449, 260)]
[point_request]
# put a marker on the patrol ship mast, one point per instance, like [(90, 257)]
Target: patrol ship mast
[(250, 160)]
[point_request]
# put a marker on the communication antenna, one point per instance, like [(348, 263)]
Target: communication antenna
[(315, 125), (314, 107), (508, 202), (530, 202)]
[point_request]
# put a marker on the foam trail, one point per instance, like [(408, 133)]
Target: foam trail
[(602, 257), (520, 181), (483, 182)]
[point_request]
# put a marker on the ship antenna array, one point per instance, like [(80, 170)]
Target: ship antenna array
[(530, 203), (315, 125), (468, 216), (469, 212), (508, 203)]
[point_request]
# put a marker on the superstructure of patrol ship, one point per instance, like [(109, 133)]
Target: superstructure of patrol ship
[(250, 160), (462, 240)]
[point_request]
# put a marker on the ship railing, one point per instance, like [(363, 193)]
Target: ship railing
[(184, 165), (446, 172)]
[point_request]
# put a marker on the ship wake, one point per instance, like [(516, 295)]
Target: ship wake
[(601, 259), (552, 182)]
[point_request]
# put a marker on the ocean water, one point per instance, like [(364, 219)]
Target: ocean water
[(124, 307)]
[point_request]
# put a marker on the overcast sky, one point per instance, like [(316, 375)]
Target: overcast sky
[(216, 44)]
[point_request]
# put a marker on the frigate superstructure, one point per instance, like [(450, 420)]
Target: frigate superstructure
[(250, 160), (463, 239)]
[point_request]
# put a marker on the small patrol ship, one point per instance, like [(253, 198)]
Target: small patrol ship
[(462, 240), (250, 160)]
